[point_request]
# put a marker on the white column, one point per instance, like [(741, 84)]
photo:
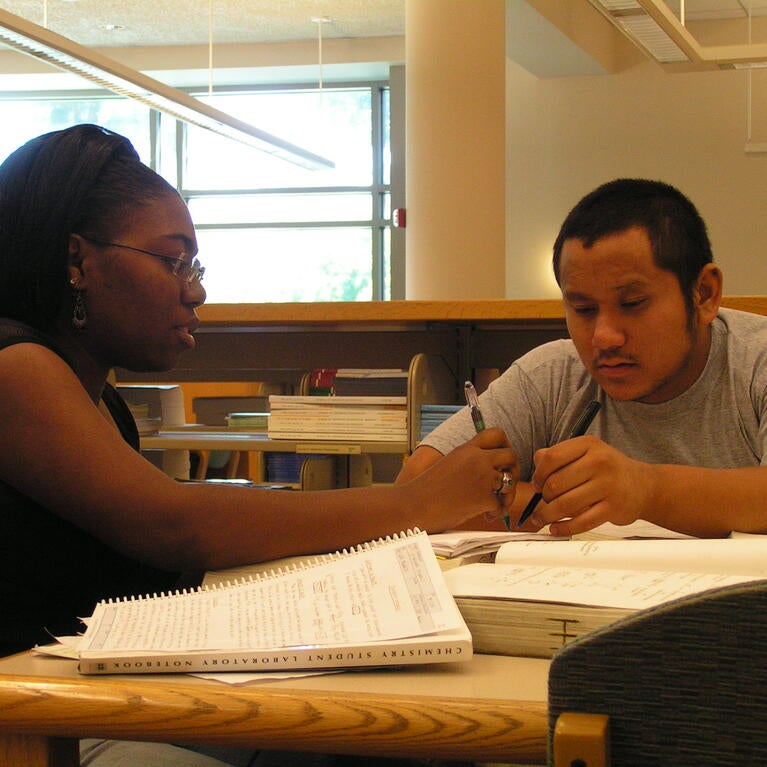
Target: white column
[(456, 170)]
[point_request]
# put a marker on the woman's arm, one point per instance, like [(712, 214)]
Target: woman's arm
[(60, 450)]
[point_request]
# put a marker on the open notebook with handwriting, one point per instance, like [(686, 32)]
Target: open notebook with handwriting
[(381, 603)]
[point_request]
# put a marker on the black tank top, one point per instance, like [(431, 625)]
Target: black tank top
[(52, 572)]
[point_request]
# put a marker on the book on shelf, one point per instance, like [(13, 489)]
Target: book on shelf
[(370, 381), (356, 418), (355, 382), (383, 603), (433, 415), (213, 411), (373, 403), (538, 596), (319, 382), (248, 421), (286, 467)]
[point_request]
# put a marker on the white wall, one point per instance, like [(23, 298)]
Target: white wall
[(566, 136)]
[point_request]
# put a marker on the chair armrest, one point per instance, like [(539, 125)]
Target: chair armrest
[(581, 740)]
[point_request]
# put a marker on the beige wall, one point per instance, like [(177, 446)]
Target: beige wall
[(567, 135)]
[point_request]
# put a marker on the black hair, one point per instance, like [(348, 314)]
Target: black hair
[(676, 230), (81, 179)]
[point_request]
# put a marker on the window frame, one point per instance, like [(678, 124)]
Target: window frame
[(378, 222), (160, 126)]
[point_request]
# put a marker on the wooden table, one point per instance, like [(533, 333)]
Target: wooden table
[(488, 709)]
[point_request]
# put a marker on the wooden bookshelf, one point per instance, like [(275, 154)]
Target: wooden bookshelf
[(280, 342)]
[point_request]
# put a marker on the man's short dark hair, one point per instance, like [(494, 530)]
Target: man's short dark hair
[(677, 233)]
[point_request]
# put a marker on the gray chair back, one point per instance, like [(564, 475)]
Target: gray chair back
[(683, 684)]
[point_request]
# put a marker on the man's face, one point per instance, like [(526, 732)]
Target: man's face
[(629, 320)]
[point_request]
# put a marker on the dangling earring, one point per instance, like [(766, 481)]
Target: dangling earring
[(79, 315)]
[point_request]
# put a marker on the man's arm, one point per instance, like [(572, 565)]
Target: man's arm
[(590, 483), (710, 502), (423, 457)]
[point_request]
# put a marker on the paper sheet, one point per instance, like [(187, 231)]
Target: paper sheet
[(738, 556), (630, 589)]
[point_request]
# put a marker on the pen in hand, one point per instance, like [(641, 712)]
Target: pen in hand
[(473, 402), (479, 425), (579, 430)]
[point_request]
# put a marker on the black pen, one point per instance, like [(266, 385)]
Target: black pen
[(479, 424), (579, 430)]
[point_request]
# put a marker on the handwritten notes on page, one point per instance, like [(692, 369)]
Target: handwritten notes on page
[(385, 591)]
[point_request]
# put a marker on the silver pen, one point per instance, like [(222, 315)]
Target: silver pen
[(479, 425), (473, 402)]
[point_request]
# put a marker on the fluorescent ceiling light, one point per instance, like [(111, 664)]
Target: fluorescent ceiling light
[(652, 26), (61, 52)]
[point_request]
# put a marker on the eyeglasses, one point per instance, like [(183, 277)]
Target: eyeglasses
[(186, 270)]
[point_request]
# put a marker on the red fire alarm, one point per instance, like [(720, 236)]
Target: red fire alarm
[(398, 218)]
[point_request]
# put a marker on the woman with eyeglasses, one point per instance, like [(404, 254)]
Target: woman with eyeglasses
[(99, 269)]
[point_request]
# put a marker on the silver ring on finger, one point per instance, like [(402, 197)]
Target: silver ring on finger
[(506, 481)]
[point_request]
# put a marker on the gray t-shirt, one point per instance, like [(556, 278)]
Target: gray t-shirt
[(719, 422)]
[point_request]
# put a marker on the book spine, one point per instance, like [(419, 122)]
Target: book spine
[(395, 653)]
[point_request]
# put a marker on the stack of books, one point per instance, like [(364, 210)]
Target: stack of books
[(213, 411), (353, 418), (164, 402)]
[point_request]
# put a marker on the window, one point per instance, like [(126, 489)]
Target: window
[(280, 232), (268, 230), (28, 116)]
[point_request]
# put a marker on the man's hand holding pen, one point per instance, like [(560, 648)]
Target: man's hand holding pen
[(586, 482)]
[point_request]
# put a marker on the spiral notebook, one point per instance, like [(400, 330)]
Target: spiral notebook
[(381, 603)]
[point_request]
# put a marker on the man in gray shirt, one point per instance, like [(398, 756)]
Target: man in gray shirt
[(680, 440)]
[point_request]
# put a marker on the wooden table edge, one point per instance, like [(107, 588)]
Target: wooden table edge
[(39, 711)]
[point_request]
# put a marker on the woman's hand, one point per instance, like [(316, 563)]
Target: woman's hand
[(468, 481)]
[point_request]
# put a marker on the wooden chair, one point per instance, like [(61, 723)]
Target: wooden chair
[(681, 684)]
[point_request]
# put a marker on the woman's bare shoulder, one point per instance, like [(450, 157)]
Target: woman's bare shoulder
[(33, 372)]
